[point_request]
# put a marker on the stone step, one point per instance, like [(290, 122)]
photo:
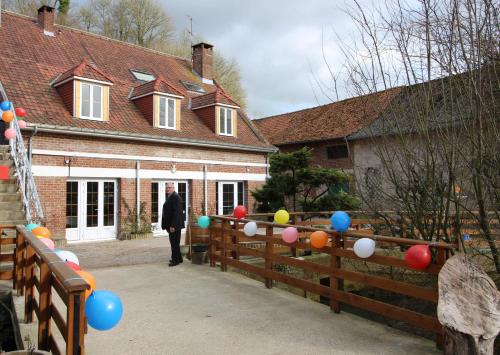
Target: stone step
[(10, 180), (6, 215), (8, 188), (10, 197), (16, 205), (7, 162), (12, 222)]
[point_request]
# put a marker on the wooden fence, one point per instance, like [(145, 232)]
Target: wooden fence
[(7, 246), (37, 268), (227, 243)]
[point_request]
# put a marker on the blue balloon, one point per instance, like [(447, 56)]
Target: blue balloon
[(5, 105), (340, 221), (204, 221), (103, 310), (32, 226)]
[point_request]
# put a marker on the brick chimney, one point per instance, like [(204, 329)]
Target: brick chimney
[(203, 61), (46, 19)]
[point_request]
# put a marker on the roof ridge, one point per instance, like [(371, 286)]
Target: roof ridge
[(7, 12)]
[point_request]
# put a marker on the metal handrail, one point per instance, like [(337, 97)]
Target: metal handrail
[(26, 181)]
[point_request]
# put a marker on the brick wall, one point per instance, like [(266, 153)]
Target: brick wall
[(207, 115), (145, 105), (66, 92), (52, 194)]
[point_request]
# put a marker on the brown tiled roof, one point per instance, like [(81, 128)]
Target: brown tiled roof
[(83, 70), (159, 84), (216, 97), (30, 60), (335, 120)]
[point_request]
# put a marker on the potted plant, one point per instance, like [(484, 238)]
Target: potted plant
[(133, 227)]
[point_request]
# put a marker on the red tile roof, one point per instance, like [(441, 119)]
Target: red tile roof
[(83, 70), (216, 97), (30, 60), (159, 85), (331, 121)]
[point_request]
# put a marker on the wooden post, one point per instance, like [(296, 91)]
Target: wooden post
[(44, 304), (19, 260), (335, 264), (440, 260), (211, 246), (294, 249), (269, 255), (29, 296), (235, 240), (223, 252), (75, 323)]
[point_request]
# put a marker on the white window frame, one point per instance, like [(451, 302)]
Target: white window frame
[(91, 99), (166, 126), (223, 130)]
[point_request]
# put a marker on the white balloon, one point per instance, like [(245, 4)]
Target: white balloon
[(67, 256), (250, 229), (364, 247)]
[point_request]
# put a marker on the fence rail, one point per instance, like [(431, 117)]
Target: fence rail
[(227, 243), (37, 273)]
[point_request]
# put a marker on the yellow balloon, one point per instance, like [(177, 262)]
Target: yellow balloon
[(281, 217)]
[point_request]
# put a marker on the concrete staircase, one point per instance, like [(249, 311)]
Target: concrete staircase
[(11, 205)]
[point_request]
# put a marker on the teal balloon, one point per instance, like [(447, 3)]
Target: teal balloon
[(204, 221), (32, 226)]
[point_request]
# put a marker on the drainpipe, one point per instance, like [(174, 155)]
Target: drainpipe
[(138, 191), (31, 142), (205, 188)]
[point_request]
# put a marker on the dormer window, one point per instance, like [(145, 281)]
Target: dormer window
[(225, 121), (166, 115), (143, 76), (91, 101)]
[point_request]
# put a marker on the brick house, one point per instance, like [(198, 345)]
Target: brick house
[(110, 123), (328, 130)]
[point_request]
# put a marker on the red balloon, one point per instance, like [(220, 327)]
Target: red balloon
[(240, 212), (73, 265), (418, 257), (20, 112)]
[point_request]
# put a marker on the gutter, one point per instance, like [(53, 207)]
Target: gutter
[(145, 138)]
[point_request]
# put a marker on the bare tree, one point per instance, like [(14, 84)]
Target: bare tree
[(437, 140)]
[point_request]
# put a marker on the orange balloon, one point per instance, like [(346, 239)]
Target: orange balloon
[(319, 239), (41, 232), (8, 116), (89, 279)]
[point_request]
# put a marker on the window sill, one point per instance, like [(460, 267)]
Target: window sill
[(91, 118)]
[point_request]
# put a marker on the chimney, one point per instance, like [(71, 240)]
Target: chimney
[(46, 19), (203, 61)]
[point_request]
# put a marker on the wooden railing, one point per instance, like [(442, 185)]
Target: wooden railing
[(37, 273), (7, 246), (227, 243)]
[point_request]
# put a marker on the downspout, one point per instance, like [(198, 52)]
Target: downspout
[(138, 192), (31, 142), (205, 188)]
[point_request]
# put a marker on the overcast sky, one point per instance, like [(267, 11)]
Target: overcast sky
[(278, 45)]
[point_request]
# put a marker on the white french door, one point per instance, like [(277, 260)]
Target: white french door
[(158, 197), (229, 195), (90, 210)]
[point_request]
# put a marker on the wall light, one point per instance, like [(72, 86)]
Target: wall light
[(174, 169)]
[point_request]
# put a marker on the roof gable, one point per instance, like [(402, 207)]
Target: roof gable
[(84, 70), (159, 85)]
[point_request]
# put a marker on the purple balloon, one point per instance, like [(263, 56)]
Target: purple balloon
[(290, 234)]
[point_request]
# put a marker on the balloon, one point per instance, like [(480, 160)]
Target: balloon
[(41, 232), (20, 112), (8, 116), (203, 221), (89, 279), (48, 242), (5, 105), (21, 124), (10, 133), (240, 212), (103, 310), (67, 256), (250, 229), (340, 221), (72, 265), (281, 217), (319, 239), (290, 234), (418, 257), (364, 247), (31, 226)]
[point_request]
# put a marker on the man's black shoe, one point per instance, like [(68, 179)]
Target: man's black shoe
[(170, 260), (173, 264)]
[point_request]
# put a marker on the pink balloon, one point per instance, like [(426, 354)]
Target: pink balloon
[(21, 123), (48, 242), (10, 133), (290, 234)]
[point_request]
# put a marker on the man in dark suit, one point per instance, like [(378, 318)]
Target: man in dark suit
[(172, 221)]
